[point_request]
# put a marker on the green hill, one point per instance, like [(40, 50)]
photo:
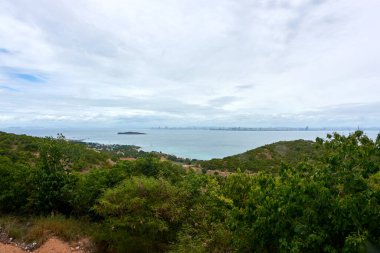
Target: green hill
[(331, 203), (267, 158), (26, 150), (82, 155)]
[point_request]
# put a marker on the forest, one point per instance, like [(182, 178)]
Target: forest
[(321, 196)]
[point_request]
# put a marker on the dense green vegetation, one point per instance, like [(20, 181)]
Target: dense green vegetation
[(268, 157), (323, 197), (25, 150)]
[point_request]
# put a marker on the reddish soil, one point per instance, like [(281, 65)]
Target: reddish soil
[(53, 245), (7, 248)]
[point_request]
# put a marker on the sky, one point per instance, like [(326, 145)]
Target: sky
[(147, 63)]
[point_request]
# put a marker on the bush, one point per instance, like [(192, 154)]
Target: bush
[(14, 186), (141, 215), (331, 205), (90, 186)]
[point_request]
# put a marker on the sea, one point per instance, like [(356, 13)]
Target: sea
[(187, 143)]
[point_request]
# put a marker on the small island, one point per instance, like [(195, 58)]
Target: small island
[(130, 133)]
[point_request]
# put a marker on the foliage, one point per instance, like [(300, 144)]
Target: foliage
[(87, 188), (268, 158), (330, 206), (142, 214), (14, 185), (321, 196), (50, 178), (204, 228)]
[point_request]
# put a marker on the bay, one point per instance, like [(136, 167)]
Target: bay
[(187, 143)]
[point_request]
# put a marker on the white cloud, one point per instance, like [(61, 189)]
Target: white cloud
[(189, 62)]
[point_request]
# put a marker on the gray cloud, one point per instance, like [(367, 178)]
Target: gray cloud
[(221, 101), (280, 62)]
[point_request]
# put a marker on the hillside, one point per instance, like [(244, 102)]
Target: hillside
[(81, 155), (266, 158), (331, 204), (26, 150)]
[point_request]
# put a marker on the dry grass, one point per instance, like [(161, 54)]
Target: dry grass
[(39, 229), (13, 227)]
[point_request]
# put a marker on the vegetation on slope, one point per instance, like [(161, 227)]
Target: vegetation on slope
[(330, 203), (268, 157), (26, 150)]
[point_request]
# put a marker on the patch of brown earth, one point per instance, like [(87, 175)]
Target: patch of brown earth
[(53, 245), (227, 173), (266, 154), (193, 168), (57, 246), (127, 159), (7, 248), (218, 172), (110, 162)]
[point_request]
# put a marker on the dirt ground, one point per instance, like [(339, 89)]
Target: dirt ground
[(53, 245), (6, 248)]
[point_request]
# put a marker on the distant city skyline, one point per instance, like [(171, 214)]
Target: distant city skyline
[(94, 63)]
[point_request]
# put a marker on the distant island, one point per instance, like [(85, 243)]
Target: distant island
[(130, 133)]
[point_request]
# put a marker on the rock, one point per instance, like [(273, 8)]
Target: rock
[(30, 246)]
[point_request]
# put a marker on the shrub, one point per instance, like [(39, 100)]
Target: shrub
[(141, 215)]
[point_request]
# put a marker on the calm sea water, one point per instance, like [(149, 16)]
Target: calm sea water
[(198, 144)]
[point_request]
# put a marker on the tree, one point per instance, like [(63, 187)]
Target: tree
[(142, 214), (50, 178), (329, 205)]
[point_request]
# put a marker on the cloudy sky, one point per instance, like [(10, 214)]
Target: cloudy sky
[(189, 63)]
